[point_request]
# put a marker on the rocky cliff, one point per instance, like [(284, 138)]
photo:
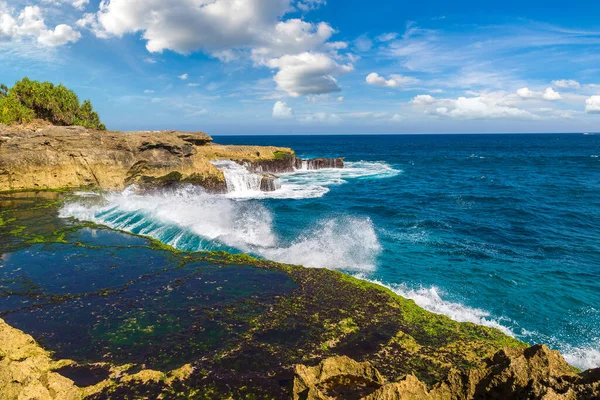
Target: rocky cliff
[(51, 157)]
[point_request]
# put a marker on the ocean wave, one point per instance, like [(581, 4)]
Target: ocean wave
[(192, 220), (307, 184), (585, 357), (430, 298)]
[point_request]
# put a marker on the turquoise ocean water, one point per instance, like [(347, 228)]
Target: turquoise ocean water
[(501, 230)]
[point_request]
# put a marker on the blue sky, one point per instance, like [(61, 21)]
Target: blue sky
[(315, 66)]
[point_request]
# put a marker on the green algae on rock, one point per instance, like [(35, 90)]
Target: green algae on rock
[(142, 320)]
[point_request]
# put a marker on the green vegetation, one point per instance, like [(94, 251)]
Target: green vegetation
[(28, 100)]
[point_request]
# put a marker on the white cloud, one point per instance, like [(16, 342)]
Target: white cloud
[(282, 111), (397, 118), (363, 43), (395, 81), (148, 91), (308, 5), (592, 105), (423, 99), (550, 94), (308, 73), (322, 117), (231, 29), (340, 99), (566, 84), (525, 93), (61, 35), (78, 4), (30, 24), (481, 107), (386, 37), (193, 84), (183, 77)]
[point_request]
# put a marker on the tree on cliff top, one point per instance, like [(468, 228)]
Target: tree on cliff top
[(58, 105)]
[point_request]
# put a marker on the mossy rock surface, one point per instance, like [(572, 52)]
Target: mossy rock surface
[(212, 324)]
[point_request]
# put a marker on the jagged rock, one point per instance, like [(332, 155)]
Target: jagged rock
[(291, 164), (54, 157), (197, 138), (336, 377), (26, 370), (536, 373), (269, 183), (319, 163)]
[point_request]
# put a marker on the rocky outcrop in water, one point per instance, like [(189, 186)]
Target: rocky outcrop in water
[(533, 373), (291, 163), (53, 157)]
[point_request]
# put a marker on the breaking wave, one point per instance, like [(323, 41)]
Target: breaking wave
[(192, 220), (306, 184)]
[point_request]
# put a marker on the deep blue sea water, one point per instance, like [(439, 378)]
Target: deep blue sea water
[(502, 230)]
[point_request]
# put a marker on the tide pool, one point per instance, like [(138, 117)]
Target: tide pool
[(500, 230)]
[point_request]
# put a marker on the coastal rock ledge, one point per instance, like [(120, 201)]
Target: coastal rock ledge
[(58, 157)]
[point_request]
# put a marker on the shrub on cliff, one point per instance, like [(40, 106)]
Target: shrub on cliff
[(58, 105)]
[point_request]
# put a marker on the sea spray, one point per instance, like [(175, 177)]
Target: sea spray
[(192, 220), (238, 179)]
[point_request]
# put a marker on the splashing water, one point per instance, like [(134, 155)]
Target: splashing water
[(192, 220), (238, 179)]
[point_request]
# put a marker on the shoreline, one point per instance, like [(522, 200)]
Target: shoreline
[(424, 327)]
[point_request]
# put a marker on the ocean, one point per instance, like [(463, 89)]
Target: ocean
[(499, 230)]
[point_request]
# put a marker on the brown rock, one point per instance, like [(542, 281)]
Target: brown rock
[(26, 370), (52, 157), (536, 373)]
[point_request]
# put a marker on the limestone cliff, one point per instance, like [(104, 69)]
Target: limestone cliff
[(51, 157)]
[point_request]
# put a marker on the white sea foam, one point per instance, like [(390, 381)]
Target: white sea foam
[(583, 357), (346, 242), (305, 184), (431, 300)]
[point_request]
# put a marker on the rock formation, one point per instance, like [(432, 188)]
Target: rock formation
[(51, 157), (532, 373)]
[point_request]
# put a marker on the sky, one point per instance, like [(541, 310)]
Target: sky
[(315, 66)]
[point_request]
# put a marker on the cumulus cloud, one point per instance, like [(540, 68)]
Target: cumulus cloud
[(592, 105), (230, 29), (550, 94), (282, 111), (566, 84), (30, 24), (183, 77), (61, 35), (525, 93), (308, 73), (340, 99), (423, 99), (394, 81)]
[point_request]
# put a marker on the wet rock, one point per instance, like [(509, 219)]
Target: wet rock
[(270, 183), (319, 163)]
